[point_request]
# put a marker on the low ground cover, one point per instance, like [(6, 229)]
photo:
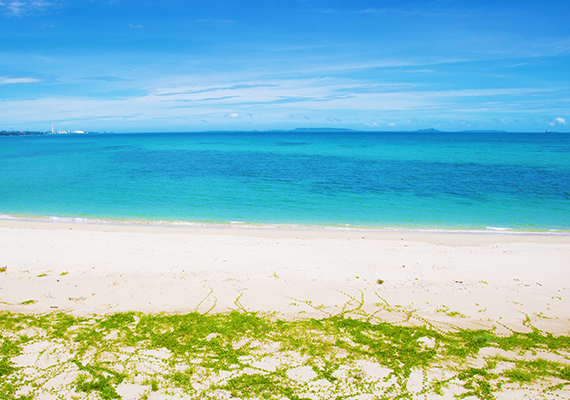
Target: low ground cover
[(243, 354)]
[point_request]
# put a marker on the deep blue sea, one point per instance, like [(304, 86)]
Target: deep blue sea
[(451, 181)]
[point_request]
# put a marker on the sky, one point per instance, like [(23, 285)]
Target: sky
[(200, 65)]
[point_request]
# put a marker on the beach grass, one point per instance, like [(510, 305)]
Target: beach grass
[(251, 355)]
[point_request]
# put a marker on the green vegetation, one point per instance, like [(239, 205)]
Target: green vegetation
[(451, 313), (248, 355)]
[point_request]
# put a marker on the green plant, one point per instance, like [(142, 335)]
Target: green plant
[(251, 355)]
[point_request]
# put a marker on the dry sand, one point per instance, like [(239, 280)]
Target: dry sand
[(466, 279)]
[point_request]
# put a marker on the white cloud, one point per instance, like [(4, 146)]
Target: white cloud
[(557, 121), (135, 26), (270, 101), (216, 21), (500, 121), (8, 81), (21, 8)]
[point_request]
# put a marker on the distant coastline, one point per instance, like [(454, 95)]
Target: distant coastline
[(40, 133), (295, 130), (23, 133)]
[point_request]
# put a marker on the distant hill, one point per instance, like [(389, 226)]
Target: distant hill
[(484, 131), (428, 130), (433, 130), (323, 130)]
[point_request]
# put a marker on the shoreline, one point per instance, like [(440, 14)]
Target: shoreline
[(276, 226), (469, 280)]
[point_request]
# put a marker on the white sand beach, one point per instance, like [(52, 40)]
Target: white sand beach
[(463, 279)]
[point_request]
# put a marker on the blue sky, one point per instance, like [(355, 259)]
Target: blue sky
[(195, 65)]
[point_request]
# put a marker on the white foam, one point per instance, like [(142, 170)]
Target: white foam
[(242, 224), (497, 228)]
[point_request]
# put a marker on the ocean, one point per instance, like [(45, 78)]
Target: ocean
[(396, 180)]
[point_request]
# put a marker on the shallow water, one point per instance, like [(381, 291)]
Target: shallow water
[(517, 181)]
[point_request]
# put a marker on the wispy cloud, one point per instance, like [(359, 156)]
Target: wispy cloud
[(105, 78), (547, 47), (216, 21), (373, 125), (195, 90), (135, 26), (423, 9), (22, 8), (10, 81), (416, 11), (500, 121), (376, 89), (207, 99), (331, 100)]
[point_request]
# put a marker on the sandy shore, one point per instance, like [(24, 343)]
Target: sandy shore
[(466, 279)]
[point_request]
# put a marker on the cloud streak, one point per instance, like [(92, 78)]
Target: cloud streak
[(13, 81), (326, 100), (22, 8), (105, 78)]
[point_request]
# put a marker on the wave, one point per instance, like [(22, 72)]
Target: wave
[(249, 225)]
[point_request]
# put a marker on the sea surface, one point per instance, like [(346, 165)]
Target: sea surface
[(402, 180)]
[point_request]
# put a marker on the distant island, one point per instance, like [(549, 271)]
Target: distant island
[(39, 133), (296, 130), (483, 131), (428, 130), (323, 130), (433, 130)]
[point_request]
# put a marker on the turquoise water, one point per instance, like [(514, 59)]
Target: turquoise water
[(517, 181)]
